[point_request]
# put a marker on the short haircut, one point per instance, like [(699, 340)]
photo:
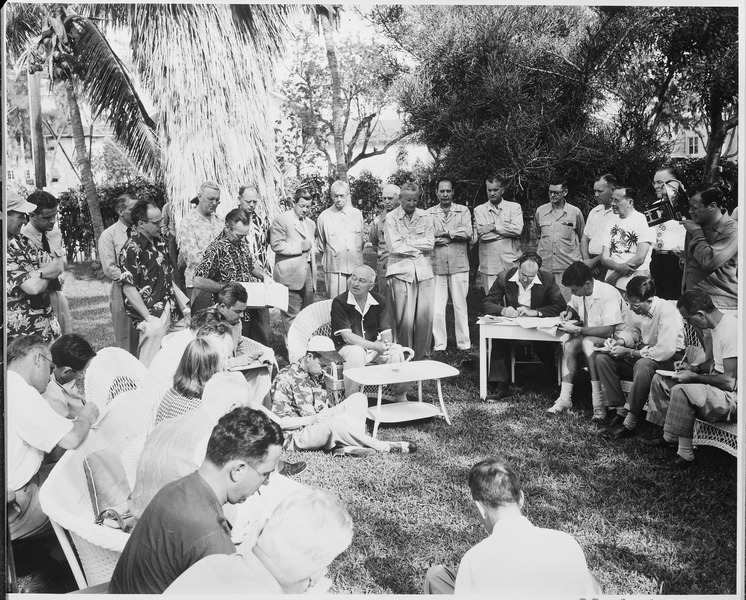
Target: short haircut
[(695, 300), (72, 350), (339, 186), (302, 192), (410, 186), (558, 180), (209, 185), (121, 202), (243, 188), (610, 180), (214, 328), (308, 528), (231, 293), (140, 210), (530, 256), (710, 194), (629, 192), (671, 169), (370, 271), (441, 180), (577, 274), (501, 179), (390, 186), (43, 201), (494, 483), (24, 345), (237, 215), (642, 287), (243, 434), (200, 361), (205, 316)]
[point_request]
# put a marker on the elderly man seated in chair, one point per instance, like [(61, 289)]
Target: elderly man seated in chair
[(312, 422), (361, 328)]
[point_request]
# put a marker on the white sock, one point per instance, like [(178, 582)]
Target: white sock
[(630, 421), (566, 392), (597, 396), (621, 411), (685, 451)]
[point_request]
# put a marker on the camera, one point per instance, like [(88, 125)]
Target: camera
[(666, 208)]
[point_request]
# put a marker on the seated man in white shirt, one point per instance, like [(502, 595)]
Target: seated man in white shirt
[(517, 559), (71, 354), (34, 429), (361, 328), (651, 338), (599, 308), (303, 535)]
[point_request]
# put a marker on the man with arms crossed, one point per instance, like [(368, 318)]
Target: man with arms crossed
[(592, 240)]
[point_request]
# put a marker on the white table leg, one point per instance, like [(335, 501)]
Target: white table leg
[(483, 363), (419, 390), (442, 404), (378, 411)]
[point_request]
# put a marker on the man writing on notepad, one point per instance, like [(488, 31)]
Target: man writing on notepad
[(522, 291)]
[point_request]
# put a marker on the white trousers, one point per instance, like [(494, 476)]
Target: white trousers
[(458, 283)]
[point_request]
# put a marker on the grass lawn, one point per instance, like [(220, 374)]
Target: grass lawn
[(644, 531)]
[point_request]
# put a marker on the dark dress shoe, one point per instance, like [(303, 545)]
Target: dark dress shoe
[(658, 442), (499, 395), (678, 464), (619, 433), (289, 469)]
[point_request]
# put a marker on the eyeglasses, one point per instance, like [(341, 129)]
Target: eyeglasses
[(552, 193), (51, 363), (264, 476)]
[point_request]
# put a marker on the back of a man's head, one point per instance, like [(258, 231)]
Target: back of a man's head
[(495, 484), (73, 351), (304, 534), (243, 434), (24, 345)]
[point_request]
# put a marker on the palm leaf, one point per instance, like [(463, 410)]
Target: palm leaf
[(22, 26), (108, 87)]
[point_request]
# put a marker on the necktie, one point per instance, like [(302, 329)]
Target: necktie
[(45, 243), (129, 231)]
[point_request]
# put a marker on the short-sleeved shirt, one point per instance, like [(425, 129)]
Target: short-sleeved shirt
[(145, 265), (605, 306), (26, 314), (368, 323), (454, 256), (595, 228), (195, 233), (559, 236), (499, 249), (623, 235), (182, 524), (225, 261), (110, 244), (220, 574), (34, 428), (724, 341), (296, 393), (411, 241), (342, 237)]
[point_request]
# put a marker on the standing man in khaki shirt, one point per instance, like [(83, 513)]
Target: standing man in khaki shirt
[(559, 226), (450, 258), (110, 244), (592, 240), (341, 238), (411, 237), (498, 224)]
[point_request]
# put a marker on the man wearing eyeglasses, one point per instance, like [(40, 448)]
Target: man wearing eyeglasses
[(197, 229), (559, 226), (651, 338), (35, 429), (228, 258), (153, 302), (71, 355)]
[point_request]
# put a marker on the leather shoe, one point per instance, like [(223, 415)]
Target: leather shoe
[(678, 464), (659, 442), (289, 469), (619, 433), (497, 396), (403, 447)]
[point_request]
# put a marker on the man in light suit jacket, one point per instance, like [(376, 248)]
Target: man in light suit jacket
[(522, 291), (291, 238)]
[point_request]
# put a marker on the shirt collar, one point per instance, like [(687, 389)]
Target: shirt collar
[(369, 301), (536, 280), (494, 208)]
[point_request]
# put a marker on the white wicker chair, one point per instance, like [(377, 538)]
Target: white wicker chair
[(65, 499), (130, 415), (316, 320), (111, 372)]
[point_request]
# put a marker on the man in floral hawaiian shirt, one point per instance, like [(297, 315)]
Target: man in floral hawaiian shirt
[(155, 305), (29, 307)]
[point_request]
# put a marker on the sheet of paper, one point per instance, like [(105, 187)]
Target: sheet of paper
[(665, 373), (537, 322), (493, 320), (270, 293), (248, 367)]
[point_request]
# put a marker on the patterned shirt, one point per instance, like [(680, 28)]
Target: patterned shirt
[(501, 248), (623, 235), (145, 265), (225, 261), (452, 257), (27, 314), (341, 238), (411, 241), (175, 404), (559, 236), (296, 393), (195, 233)]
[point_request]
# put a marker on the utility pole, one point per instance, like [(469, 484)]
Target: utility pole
[(38, 151)]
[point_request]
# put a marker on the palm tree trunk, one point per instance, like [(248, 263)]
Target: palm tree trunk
[(84, 162), (337, 110)]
